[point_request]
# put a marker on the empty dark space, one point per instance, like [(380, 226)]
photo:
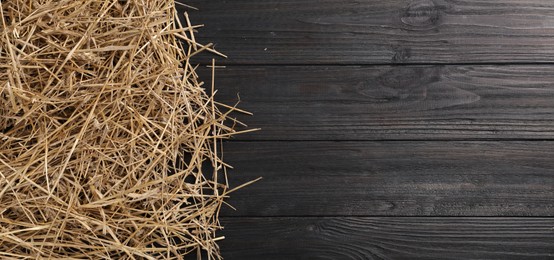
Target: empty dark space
[(399, 129)]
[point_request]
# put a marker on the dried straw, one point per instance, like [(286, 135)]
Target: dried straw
[(109, 142)]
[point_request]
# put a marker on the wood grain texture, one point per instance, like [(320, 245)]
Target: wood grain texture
[(421, 161), (388, 238), (376, 31), (392, 178), (393, 103)]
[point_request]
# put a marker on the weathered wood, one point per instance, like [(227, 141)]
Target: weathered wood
[(390, 103), (400, 127), (396, 178), (377, 31), (388, 238)]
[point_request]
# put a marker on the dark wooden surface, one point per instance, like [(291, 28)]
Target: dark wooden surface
[(397, 129), (392, 103), (388, 238), (378, 31), (393, 178)]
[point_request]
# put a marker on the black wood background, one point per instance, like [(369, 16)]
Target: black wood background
[(391, 129)]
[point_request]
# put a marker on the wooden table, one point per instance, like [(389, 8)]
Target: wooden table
[(391, 129)]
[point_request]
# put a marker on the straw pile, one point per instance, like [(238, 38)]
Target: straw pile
[(109, 141)]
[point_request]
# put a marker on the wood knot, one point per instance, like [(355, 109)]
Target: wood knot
[(401, 84), (421, 13), (401, 54)]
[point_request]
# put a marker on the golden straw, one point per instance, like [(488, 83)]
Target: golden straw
[(109, 145)]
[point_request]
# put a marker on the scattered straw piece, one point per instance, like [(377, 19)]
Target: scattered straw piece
[(108, 142)]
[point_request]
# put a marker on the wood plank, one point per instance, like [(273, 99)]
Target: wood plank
[(398, 178), (392, 102), (378, 32), (388, 238)]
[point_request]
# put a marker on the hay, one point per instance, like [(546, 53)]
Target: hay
[(110, 145)]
